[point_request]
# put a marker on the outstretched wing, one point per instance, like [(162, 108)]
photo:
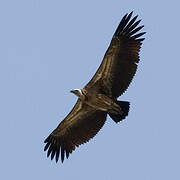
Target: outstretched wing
[(120, 61), (80, 125)]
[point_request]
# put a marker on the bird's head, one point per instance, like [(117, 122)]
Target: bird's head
[(78, 93)]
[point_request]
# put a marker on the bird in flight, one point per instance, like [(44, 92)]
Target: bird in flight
[(99, 97)]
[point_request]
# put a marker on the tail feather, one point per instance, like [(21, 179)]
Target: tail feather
[(125, 109)]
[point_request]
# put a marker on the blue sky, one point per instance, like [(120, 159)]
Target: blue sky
[(51, 47)]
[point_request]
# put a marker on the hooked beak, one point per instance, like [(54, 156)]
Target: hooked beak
[(72, 91)]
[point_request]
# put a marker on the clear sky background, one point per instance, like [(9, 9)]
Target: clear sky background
[(48, 48)]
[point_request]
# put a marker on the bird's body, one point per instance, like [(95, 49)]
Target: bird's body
[(99, 97), (97, 100)]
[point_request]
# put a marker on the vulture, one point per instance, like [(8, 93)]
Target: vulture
[(99, 97)]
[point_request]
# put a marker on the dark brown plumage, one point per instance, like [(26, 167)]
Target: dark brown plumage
[(99, 97)]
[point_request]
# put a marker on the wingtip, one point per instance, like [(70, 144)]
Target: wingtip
[(141, 39), (62, 160), (62, 154), (128, 26), (47, 139), (52, 154), (46, 146), (57, 154), (125, 15), (131, 13), (67, 154), (49, 150)]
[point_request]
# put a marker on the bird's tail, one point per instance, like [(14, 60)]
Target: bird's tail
[(124, 108)]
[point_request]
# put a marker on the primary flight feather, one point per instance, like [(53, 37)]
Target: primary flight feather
[(99, 97)]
